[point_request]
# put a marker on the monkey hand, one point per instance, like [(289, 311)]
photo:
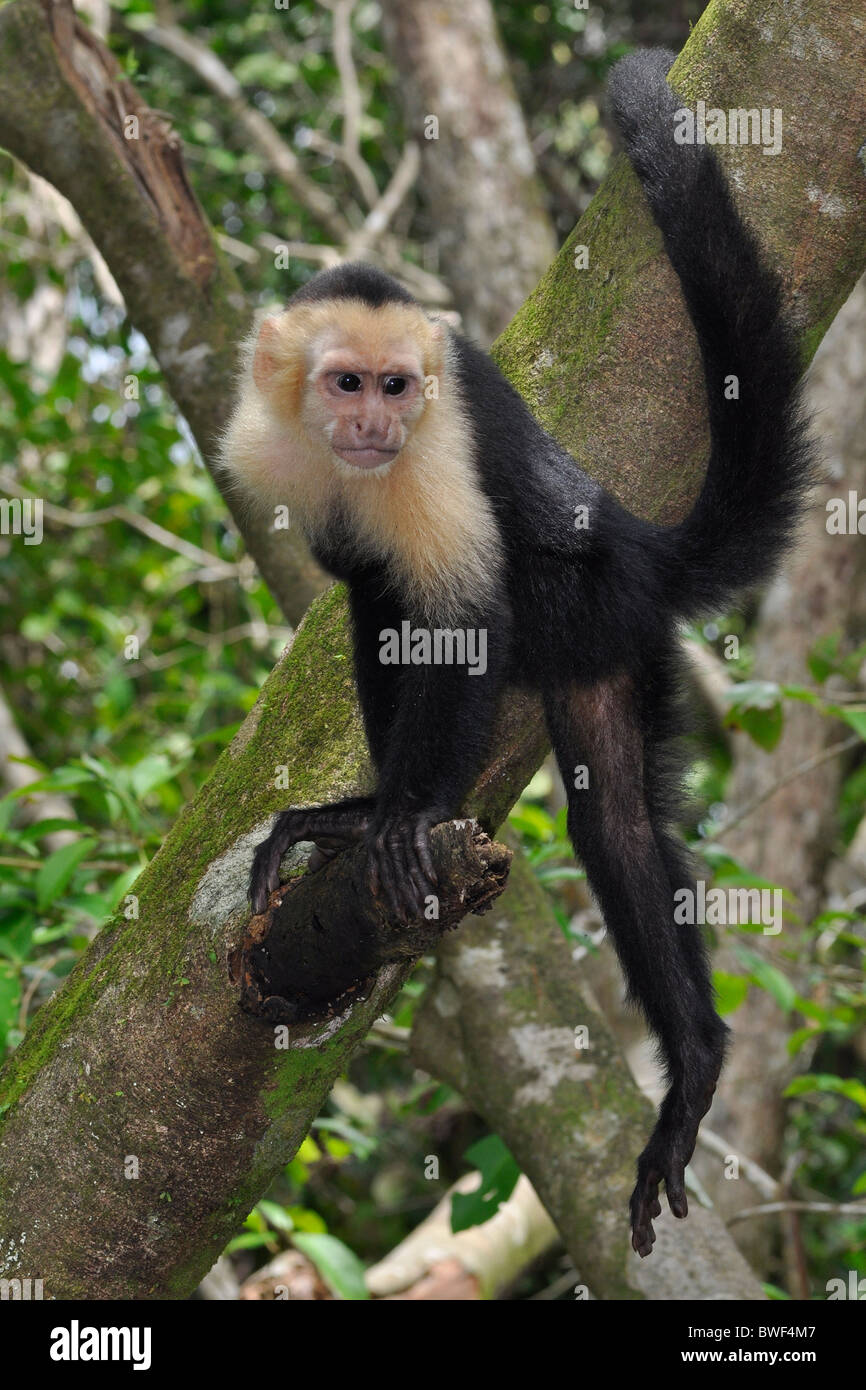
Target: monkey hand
[(401, 864)]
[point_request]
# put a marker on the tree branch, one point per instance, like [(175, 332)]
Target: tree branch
[(69, 113), (277, 154)]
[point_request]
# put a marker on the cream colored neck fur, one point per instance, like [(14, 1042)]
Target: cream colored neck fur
[(426, 516)]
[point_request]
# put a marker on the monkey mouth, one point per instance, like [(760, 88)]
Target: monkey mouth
[(367, 457)]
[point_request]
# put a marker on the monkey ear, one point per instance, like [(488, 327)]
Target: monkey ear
[(265, 359)]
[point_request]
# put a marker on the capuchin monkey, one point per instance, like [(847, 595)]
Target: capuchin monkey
[(451, 508)]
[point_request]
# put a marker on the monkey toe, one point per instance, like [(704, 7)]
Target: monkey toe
[(401, 866), (645, 1205)]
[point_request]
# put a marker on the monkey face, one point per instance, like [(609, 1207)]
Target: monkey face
[(367, 414), (351, 376), (365, 393)]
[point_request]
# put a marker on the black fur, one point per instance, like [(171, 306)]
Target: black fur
[(589, 618), (353, 281)]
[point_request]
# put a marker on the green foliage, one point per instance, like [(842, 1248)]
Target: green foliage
[(499, 1174), (340, 1268), (755, 707), (125, 735)]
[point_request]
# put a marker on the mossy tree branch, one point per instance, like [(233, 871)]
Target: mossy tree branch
[(144, 1112)]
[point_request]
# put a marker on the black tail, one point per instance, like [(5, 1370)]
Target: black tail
[(760, 461)]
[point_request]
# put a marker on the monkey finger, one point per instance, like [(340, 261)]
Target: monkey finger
[(389, 884), (423, 851), (643, 1239), (402, 885), (404, 861), (423, 887)]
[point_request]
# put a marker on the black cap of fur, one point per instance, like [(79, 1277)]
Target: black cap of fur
[(354, 280)]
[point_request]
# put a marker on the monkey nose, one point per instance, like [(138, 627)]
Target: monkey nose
[(370, 435)]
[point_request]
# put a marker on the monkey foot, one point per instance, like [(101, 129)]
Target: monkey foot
[(401, 863), (645, 1204)]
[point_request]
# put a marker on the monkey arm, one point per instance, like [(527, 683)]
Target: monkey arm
[(436, 742), (428, 726)]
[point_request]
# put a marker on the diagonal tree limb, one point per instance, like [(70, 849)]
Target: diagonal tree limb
[(499, 1024), (69, 113)]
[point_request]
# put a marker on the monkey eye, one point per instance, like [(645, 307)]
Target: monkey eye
[(349, 381), (395, 385)]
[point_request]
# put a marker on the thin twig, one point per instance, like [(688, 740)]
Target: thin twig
[(64, 517), (379, 217), (714, 1143), (326, 256), (834, 751), (353, 106), (771, 1208)]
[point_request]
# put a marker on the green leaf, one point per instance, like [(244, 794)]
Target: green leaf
[(804, 694), (250, 1240), (800, 1037), (276, 1216), (7, 811), (150, 772), (61, 779), (39, 829), (821, 1081), (339, 1266), (499, 1174), (56, 872), (531, 821), (10, 1000), (118, 890), (860, 1185), (824, 656), (731, 990), (769, 978), (561, 873), (307, 1221), (756, 708), (856, 718)]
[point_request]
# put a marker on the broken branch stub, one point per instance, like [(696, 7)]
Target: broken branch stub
[(325, 936)]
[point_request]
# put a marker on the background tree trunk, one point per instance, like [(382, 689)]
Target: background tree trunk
[(478, 173)]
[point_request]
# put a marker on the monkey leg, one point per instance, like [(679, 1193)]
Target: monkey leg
[(331, 828), (634, 868)]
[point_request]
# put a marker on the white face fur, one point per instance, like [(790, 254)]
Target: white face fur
[(346, 406)]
